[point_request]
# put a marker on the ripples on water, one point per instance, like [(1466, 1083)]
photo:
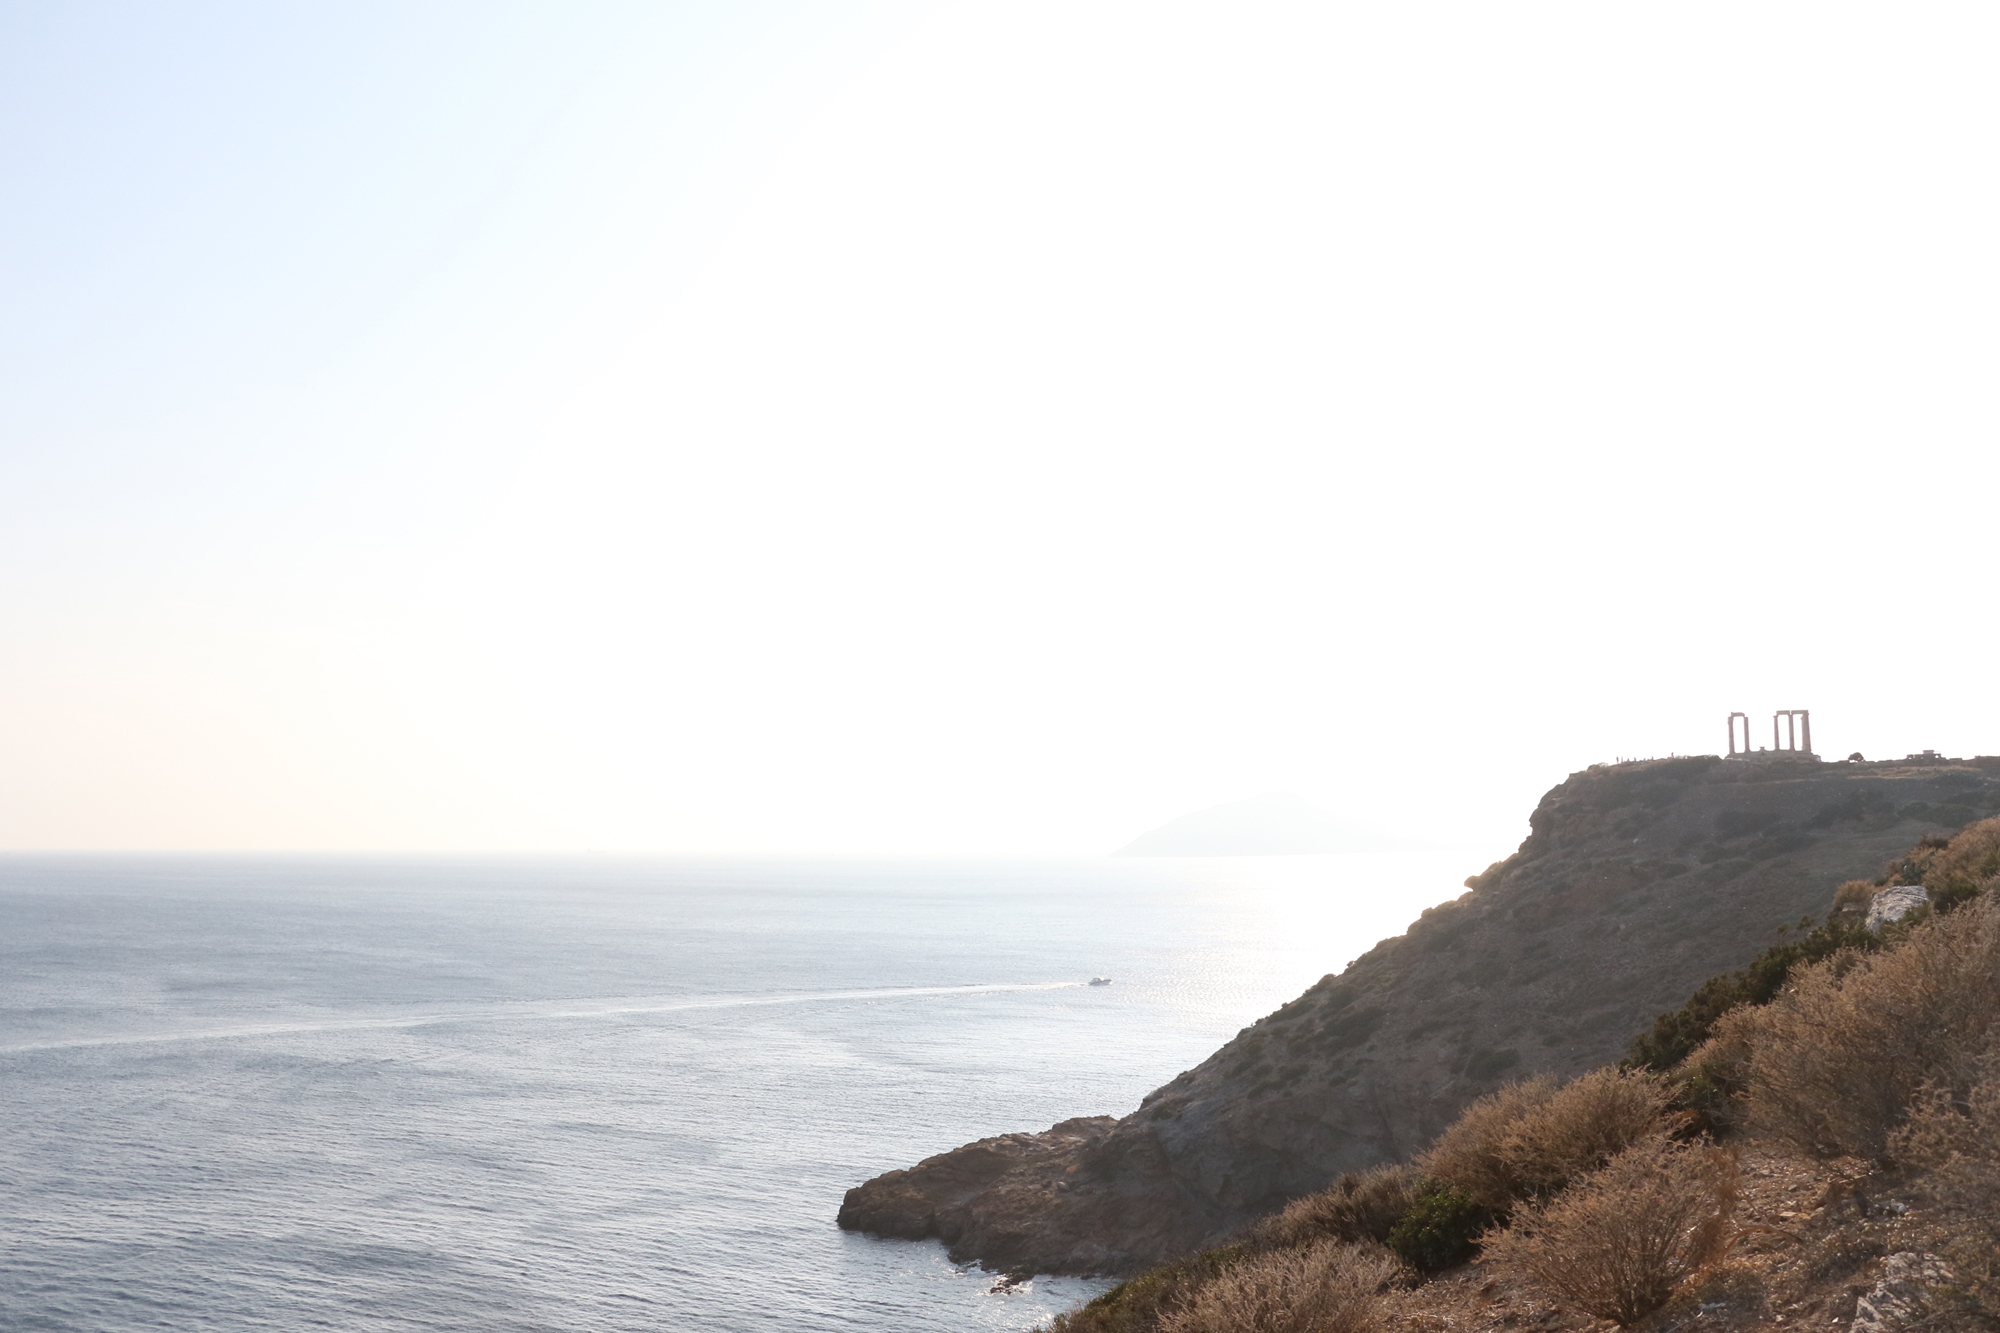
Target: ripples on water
[(588, 1095)]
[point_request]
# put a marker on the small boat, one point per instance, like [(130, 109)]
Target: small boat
[(1100, 981)]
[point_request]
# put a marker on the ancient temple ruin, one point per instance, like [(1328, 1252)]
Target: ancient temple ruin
[(1791, 734)]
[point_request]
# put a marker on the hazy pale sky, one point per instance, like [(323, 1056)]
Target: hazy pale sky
[(974, 427)]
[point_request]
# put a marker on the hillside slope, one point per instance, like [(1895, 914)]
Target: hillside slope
[(1637, 882)]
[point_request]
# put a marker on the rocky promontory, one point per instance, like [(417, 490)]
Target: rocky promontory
[(1637, 882)]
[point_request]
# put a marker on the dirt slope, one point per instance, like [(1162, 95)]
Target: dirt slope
[(1638, 882)]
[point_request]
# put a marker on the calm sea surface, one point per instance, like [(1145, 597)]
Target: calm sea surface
[(589, 1095)]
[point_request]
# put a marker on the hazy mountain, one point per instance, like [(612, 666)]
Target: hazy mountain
[(1276, 824)]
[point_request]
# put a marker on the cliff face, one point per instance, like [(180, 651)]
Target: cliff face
[(1637, 883)]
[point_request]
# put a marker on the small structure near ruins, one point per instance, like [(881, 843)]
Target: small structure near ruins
[(1791, 734)]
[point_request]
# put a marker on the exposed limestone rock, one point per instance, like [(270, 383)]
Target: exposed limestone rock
[(1637, 883), (1895, 903), (1903, 1298)]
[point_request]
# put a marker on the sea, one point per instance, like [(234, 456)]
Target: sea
[(503, 1095)]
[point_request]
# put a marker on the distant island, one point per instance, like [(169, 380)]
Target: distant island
[(1276, 824)]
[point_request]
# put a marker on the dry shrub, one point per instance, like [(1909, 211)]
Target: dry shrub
[(1968, 863), (1139, 1305), (1955, 1142), (1530, 1139), (1958, 1143), (1466, 1158), (1713, 1079), (1852, 898), (1586, 1124), (1617, 1244), (1956, 1139), (1837, 1060), (1363, 1206), (1328, 1287)]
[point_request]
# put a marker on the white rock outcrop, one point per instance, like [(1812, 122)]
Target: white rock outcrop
[(1904, 1296), (1895, 903)]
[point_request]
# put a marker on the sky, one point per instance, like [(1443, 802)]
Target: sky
[(923, 427)]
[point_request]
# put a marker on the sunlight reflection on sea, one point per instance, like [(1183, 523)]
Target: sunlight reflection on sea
[(253, 1093)]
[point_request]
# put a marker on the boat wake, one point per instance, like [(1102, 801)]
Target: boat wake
[(609, 1007)]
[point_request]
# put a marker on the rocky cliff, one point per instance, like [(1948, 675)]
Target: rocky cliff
[(1637, 882)]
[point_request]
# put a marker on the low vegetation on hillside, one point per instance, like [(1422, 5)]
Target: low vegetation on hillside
[(1814, 1139)]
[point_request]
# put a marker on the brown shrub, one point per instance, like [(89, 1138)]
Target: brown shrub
[(1914, 864), (1852, 898), (1957, 1140), (1713, 1079), (1466, 1158), (1837, 1060), (1360, 1207), (1617, 1244), (1363, 1206), (1586, 1124), (1139, 1305), (1968, 863), (1328, 1287), (1530, 1139)]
